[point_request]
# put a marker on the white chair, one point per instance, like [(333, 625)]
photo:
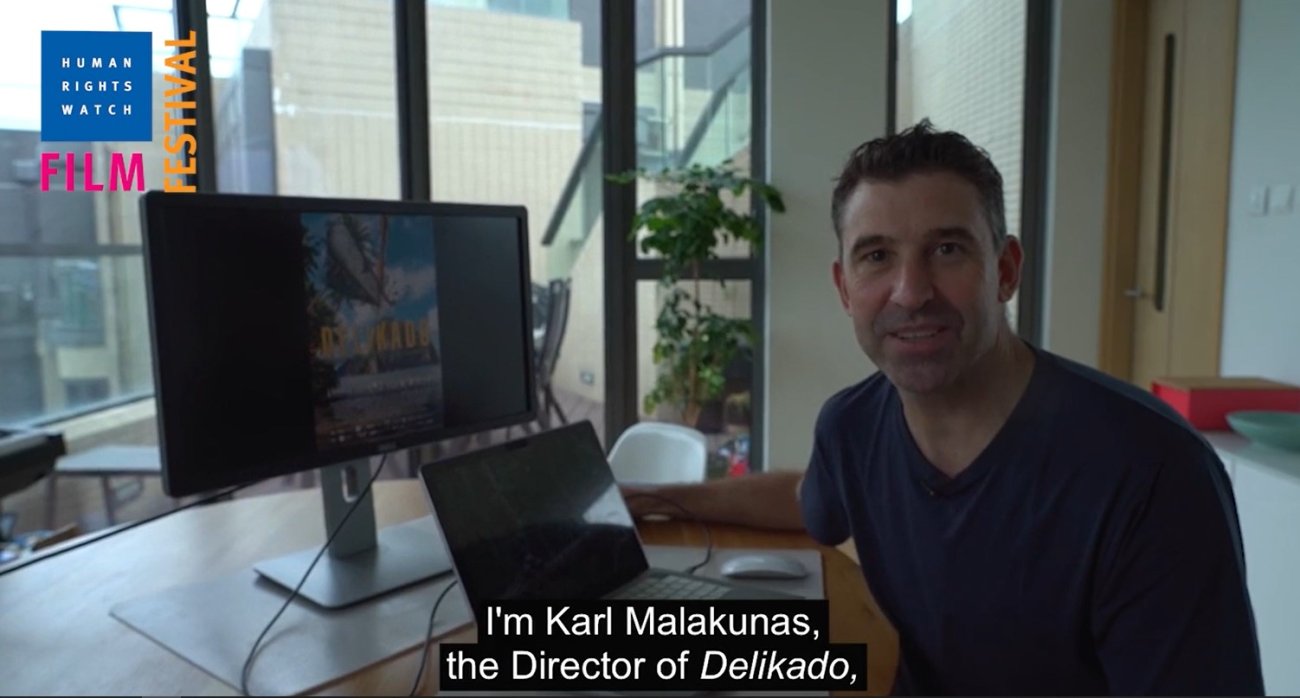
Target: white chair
[(658, 452)]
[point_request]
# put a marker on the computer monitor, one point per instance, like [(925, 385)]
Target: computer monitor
[(292, 333)]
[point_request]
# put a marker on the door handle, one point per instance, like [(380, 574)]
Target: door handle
[(1134, 293), (1166, 155)]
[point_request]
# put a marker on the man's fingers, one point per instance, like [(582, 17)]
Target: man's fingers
[(638, 506)]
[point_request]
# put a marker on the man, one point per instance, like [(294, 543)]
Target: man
[(1028, 525)]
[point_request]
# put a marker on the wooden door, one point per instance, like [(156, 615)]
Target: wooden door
[(1175, 283)]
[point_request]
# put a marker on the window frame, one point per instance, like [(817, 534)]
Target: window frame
[(622, 268)]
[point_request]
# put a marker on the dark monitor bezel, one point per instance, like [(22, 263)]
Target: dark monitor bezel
[(181, 479)]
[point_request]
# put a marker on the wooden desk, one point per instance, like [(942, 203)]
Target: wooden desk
[(57, 637)]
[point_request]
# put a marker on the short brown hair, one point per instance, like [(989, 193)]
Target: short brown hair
[(923, 149)]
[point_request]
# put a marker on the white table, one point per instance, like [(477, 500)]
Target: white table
[(1266, 485)]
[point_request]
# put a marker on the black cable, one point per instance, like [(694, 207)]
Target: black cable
[(59, 551), (248, 663), (708, 537), (428, 637)]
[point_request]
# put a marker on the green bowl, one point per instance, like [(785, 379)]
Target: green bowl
[(1276, 429)]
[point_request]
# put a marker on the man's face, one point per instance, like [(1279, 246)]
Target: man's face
[(919, 275)]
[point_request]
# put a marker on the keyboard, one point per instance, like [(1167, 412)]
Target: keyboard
[(671, 588)]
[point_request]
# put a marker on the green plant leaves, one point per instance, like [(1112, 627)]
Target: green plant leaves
[(685, 225)]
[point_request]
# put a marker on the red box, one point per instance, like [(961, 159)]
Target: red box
[(1206, 402)]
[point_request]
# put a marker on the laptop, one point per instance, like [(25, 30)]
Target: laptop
[(542, 518)]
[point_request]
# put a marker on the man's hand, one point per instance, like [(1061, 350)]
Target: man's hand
[(765, 500), (638, 503)]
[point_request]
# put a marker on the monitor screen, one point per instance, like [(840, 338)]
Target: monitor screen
[(293, 333)]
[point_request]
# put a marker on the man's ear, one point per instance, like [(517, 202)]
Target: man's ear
[(837, 275), (1009, 268)]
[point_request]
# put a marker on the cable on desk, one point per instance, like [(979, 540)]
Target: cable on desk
[(121, 529), (428, 638), (248, 663), (708, 537)]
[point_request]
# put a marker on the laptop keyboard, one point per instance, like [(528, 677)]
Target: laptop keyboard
[(671, 588)]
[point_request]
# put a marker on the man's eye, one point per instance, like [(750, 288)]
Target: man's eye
[(949, 248), (876, 256)]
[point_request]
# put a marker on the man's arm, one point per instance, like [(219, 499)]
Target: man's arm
[(1172, 613), (765, 500)]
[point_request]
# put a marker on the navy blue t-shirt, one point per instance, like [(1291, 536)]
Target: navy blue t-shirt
[(1092, 547)]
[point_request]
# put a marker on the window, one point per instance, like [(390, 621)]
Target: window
[(86, 391), (305, 97), (726, 419), (961, 63), (694, 106), (304, 102), (73, 323), (514, 118), (78, 286)]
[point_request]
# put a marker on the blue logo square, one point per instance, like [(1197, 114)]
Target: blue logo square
[(96, 86)]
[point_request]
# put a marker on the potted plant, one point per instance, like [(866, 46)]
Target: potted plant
[(685, 224)]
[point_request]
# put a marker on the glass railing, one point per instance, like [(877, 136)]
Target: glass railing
[(678, 94), (581, 205), (693, 107), (725, 129)]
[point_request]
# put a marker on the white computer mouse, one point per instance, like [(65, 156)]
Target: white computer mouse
[(763, 566)]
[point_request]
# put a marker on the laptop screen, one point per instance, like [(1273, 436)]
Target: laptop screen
[(537, 518)]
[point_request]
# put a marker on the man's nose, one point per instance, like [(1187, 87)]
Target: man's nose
[(914, 286)]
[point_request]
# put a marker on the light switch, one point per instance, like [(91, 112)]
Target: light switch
[(1280, 199), (1257, 204)]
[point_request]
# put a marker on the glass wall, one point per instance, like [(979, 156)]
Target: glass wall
[(726, 418), (514, 118), (961, 63), (73, 324), (74, 333), (305, 97), (694, 107)]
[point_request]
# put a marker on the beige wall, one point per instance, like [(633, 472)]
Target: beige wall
[(335, 106), (965, 63), (506, 99), (812, 56), (506, 94), (1077, 186), (1261, 335)]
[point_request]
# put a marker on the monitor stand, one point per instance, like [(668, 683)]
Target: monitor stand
[(361, 563)]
